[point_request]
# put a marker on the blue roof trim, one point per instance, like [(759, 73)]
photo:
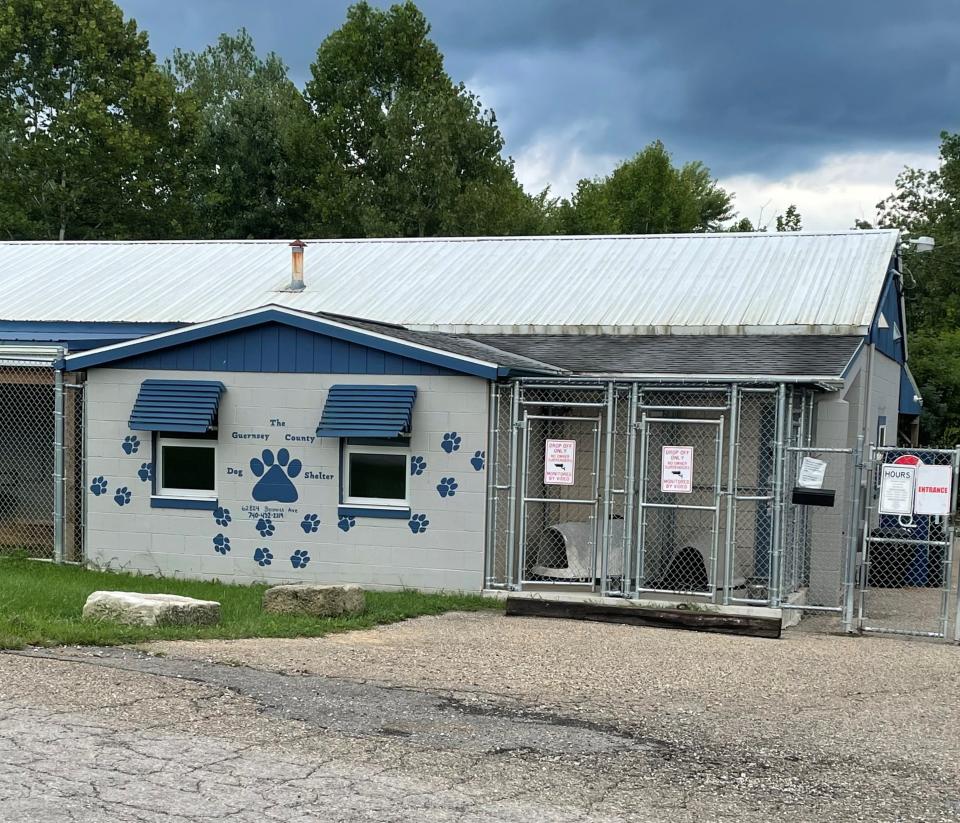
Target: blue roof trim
[(909, 390), (358, 410), (890, 306), (189, 334), (176, 406), (77, 336)]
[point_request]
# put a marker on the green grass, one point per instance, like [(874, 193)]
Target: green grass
[(40, 605)]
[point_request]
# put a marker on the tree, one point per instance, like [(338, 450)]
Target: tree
[(253, 149), (790, 220), (647, 195), (91, 131), (927, 202), (406, 151)]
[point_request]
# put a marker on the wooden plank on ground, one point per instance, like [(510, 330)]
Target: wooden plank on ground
[(699, 620)]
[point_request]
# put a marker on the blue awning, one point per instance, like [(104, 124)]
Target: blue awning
[(367, 411), (176, 405)]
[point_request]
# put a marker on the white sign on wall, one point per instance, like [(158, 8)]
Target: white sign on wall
[(934, 490), (896, 489), (559, 462), (676, 469)]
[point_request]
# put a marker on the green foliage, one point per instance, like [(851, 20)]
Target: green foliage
[(928, 203), (790, 220), (410, 152), (253, 146), (647, 195), (91, 130), (40, 604)]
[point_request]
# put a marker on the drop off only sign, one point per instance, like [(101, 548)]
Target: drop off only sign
[(559, 462), (676, 469)]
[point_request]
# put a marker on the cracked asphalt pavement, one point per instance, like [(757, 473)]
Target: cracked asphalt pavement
[(480, 717)]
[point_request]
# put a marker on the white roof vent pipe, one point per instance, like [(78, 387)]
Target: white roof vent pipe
[(296, 266)]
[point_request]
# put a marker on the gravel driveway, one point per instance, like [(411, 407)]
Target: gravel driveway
[(480, 717)]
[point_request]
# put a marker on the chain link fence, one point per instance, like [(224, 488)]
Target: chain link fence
[(41, 463)]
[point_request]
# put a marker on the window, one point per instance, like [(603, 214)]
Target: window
[(186, 467), (375, 476)]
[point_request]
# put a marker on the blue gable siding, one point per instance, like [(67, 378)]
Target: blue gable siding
[(889, 306), (274, 347)]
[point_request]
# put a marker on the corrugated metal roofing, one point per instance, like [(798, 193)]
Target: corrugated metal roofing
[(719, 283), (825, 356)]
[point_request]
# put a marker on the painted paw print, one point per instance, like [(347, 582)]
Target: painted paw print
[(447, 487), (275, 474), (131, 444), (299, 559), (221, 544), (146, 472), (265, 527), (346, 523), (417, 466), (418, 523), (451, 442), (98, 485), (222, 516), (310, 523), (122, 496), (263, 557), (477, 461)]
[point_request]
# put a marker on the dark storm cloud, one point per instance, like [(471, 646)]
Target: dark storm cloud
[(758, 87)]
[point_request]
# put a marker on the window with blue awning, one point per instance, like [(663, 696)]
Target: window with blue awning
[(357, 410), (188, 406)]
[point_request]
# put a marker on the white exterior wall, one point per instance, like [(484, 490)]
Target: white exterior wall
[(377, 553)]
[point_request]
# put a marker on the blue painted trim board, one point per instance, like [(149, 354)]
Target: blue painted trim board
[(157, 502), (274, 346), (363, 511)]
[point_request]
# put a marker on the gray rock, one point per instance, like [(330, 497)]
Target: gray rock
[(137, 609), (316, 601)]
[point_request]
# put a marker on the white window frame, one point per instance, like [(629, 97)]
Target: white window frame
[(376, 502), (196, 443)]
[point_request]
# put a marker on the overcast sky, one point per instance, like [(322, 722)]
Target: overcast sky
[(813, 102)]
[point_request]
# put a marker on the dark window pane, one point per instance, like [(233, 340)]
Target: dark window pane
[(382, 476), (188, 467)]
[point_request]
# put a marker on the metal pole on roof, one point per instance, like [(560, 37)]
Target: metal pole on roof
[(59, 496)]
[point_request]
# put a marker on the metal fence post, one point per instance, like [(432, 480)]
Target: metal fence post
[(731, 493), (59, 479), (607, 491), (630, 490), (776, 549), (514, 474), (493, 411), (850, 561)]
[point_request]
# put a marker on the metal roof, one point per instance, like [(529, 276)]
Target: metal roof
[(692, 283), (753, 356)]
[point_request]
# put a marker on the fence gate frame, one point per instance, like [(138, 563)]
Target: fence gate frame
[(644, 505), (874, 537)]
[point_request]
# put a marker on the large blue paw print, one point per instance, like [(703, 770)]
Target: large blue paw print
[(417, 466), (131, 444), (310, 523), (221, 544), (418, 523), (274, 484), (450, 442), (447, 487), (265, 527), (346, 523), (122, 496), (299, 559), (478, 460), (222, 516), (263, 557), (146, 472), (98, 485)]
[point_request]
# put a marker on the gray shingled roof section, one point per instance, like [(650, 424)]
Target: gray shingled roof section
[(454, 344), (747, 355)]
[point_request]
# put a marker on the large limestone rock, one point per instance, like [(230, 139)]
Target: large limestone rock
[(138, 609), (316, 601)]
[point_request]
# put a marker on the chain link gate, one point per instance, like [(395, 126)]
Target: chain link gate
[(906, 573), (41, 464)]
